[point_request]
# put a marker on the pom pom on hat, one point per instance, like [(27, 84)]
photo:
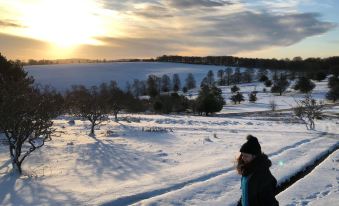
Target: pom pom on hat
[(252, 146)]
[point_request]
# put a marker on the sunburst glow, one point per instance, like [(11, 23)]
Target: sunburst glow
[(64, 23)]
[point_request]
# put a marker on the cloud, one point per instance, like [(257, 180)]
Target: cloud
[(153, 11), (249, 31), (222, 34), (9, 24), (22, 48), (125, 5), (125, 47), (197, 3)]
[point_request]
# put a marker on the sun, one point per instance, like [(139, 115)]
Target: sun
[(63, 23)]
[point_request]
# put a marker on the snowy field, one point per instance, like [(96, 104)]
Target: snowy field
[(176, 159), (318, 188), (192, 163), (63, 76)]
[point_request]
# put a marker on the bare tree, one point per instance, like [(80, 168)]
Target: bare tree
[(89, 104), (307, 110), (228, 75), (116, 99), (26, 112), (273, 105)]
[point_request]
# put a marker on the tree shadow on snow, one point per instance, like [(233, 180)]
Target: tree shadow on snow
[(105, 159), (16, 191)]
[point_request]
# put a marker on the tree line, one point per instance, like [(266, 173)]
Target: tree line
[(297, 64)]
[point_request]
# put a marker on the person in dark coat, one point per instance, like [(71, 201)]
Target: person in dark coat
[(258, 185)]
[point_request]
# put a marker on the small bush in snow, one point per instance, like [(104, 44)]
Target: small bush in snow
[(252, 97), (237, 98), (157, 129), (273, 105), (307, 110), (235, 89), (71, 122), (268, 83)]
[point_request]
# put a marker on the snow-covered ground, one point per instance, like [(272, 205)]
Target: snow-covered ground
[(320, 187), (63, 76), (188, 160), (190, 164)]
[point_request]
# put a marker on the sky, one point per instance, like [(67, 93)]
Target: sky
[(116, 29)]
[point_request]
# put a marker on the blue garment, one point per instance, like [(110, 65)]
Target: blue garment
[(244, 191)]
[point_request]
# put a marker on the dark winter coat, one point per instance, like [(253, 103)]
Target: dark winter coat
[(261, 183)]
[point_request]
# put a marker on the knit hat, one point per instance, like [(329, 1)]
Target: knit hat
[(252, 146)]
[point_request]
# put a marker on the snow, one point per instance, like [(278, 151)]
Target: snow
[(63, 76), (188, 160), (320, 187)]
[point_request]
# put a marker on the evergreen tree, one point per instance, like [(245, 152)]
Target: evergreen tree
[(268, 83), (143, 87), (237, 76), (333, 93), (247, 76), (235, 89), (190, 81), (261, 72), (221, 78), (333, 81), (210, 78), (184, 89), (136, 91), (238, 97), (204, 82), (275, 76), (152, 86), (280, 85), (176, 83), (228, 75), (165, 83), (210, 100), (304, 85), (263, 78), (319, 76), (252, 97)]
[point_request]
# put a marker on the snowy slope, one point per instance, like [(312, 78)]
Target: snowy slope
[(198, 156), (320, 187), (65, 75), (189, 161)]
